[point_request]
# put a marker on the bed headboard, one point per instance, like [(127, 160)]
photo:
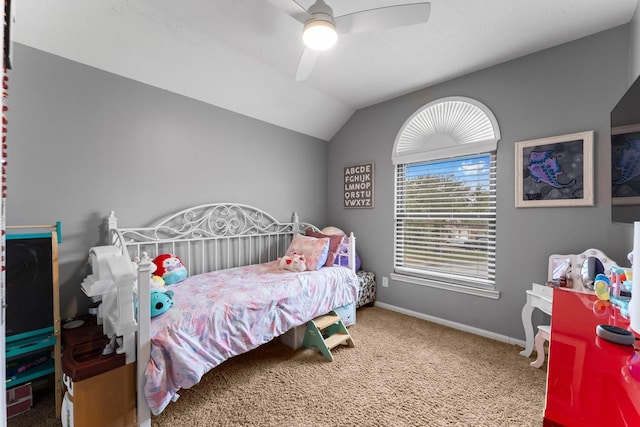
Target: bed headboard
[(211, 237)]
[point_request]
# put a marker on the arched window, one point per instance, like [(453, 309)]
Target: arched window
[(445, 197)]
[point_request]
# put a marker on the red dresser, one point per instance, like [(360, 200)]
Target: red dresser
[(590, 381)]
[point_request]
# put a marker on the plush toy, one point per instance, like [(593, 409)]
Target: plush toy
[(170, 268), (157, 281), (161, 301), (293, 262)]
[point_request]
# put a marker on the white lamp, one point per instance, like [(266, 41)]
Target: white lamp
[(319, 31), (319, 34)]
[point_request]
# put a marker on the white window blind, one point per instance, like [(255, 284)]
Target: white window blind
[(445, 220), (447, 127)]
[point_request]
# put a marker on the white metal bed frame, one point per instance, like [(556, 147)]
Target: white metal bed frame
[(206, 238)]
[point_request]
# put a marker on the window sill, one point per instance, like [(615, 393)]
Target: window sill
[(485, 293)]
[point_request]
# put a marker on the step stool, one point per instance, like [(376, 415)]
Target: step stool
[(326, 332)]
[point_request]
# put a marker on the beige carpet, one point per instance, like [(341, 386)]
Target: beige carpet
[(403, 372)]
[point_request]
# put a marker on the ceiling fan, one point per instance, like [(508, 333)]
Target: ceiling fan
[(320, 26)]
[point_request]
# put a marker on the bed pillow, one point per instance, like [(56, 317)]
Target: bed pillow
[(334, 244), (315, 250), (333, 231)]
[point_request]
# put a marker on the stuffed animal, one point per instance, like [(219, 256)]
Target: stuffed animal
[(170, 268), (161, 301), (157, 281), (293, 262)]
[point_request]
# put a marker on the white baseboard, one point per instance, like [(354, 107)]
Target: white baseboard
[(454, 325)]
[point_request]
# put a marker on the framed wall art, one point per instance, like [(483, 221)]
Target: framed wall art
[(625, 151), (555, 171), (358, 186)]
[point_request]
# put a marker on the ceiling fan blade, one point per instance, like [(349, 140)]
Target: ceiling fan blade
[(293, 9), (307, 61), (383, 18)]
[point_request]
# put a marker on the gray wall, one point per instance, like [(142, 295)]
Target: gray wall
[(566, 89), (634, 46), (82, 142)]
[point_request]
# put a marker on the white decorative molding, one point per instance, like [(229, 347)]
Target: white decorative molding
[(454, 325)]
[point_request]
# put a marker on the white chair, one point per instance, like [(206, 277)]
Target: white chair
[(544, 334)]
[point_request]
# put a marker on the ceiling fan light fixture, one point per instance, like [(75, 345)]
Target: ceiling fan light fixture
[(319, 34)]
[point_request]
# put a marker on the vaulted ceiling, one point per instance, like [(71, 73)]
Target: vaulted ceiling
[(242, 55)]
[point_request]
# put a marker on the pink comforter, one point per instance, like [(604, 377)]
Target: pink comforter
[(225, 313)]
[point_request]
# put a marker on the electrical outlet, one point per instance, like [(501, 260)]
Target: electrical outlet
[(385, 282)]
